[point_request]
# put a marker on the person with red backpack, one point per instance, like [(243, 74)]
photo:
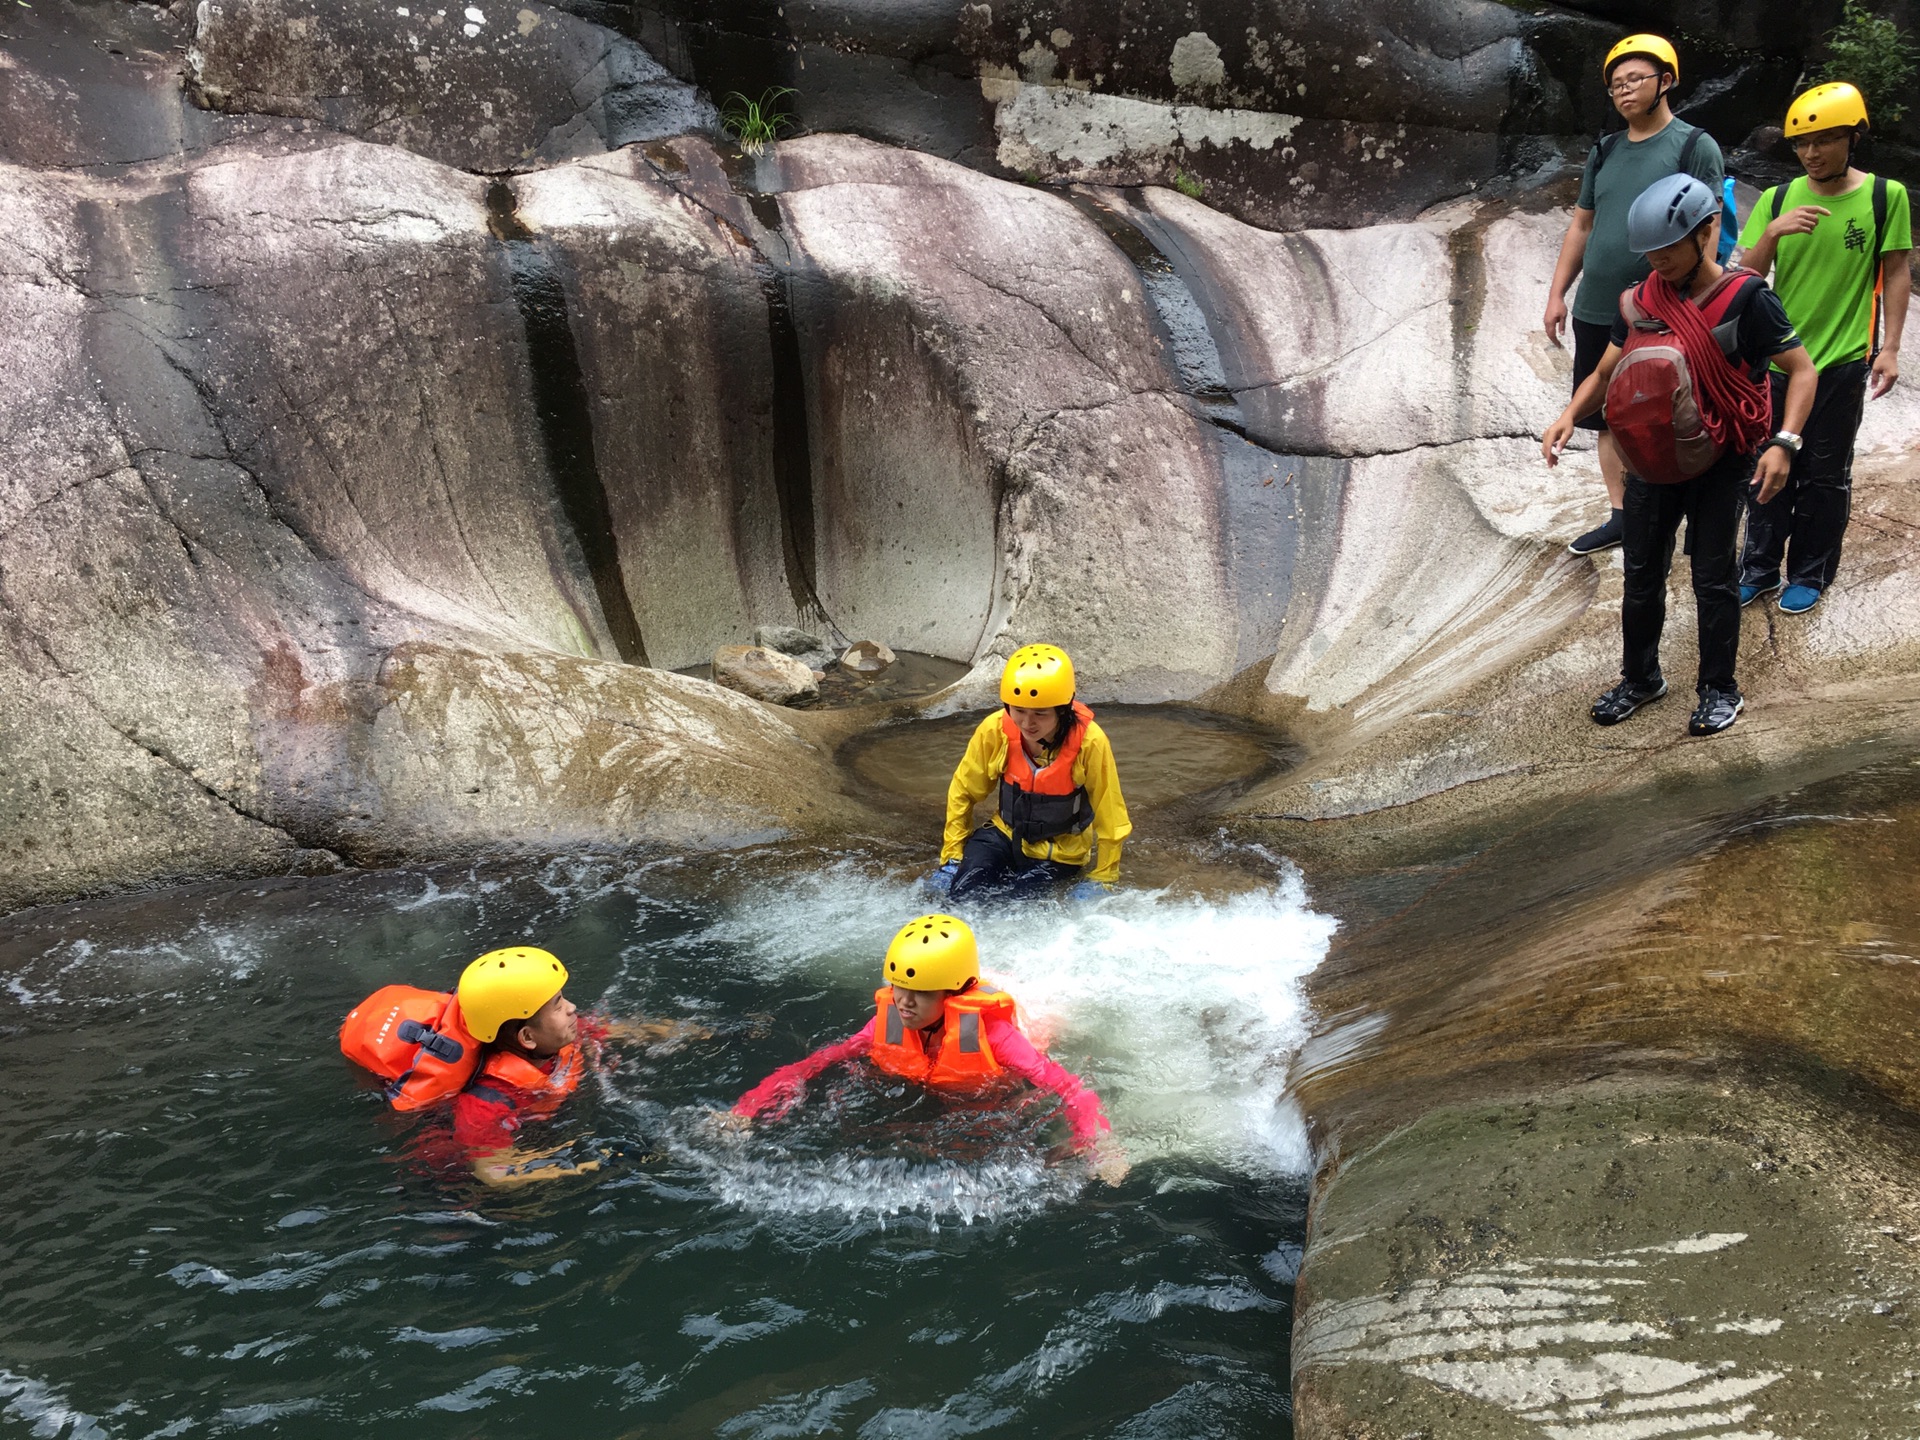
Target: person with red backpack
[(1837, 242), (1682, 383)]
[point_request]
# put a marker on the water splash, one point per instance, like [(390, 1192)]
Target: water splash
[(1183, 1011)]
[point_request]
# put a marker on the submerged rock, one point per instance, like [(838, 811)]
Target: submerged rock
[(764, 674), (869, 657)]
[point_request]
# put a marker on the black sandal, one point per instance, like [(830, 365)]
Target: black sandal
[(1623, 699)]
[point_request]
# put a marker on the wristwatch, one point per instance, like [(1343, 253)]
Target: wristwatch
[(1786, 440)]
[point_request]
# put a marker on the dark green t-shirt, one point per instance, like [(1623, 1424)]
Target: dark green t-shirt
[(1609, 191)]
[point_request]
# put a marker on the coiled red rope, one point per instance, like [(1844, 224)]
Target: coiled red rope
[(1735, 409)]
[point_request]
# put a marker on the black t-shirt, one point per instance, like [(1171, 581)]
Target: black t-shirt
[(1764, 330)]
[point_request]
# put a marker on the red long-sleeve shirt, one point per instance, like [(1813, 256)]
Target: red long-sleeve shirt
[(1016, 1053), (485, 1116)]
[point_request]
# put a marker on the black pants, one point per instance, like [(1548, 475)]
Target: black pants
[(993, 864), (1710, 504), (1804, 523)]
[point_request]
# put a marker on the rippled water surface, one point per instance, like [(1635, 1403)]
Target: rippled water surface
[(213, 1227)]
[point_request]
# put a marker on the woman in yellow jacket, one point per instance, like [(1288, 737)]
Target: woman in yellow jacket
[(1058, 814)]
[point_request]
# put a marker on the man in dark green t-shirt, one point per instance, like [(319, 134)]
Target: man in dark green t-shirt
[(1640, 73), (1837, 240)]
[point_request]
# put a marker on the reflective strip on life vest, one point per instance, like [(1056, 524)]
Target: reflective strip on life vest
[(963, 1057)]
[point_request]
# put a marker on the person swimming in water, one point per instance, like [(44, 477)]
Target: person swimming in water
[(507, 1045), (937, 1023)]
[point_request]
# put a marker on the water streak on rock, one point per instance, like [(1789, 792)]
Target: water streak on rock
[(566, 419)]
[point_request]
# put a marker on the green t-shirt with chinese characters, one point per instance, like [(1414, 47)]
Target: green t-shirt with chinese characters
[(1609, 191), (1826, 279)]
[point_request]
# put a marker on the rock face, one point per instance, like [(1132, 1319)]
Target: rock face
[(1291, 113), (281, 564), (312, 404), (488, 87)]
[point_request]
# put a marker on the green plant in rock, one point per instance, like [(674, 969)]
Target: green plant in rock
[(1188, 185), (1873, 53), (756, 124)]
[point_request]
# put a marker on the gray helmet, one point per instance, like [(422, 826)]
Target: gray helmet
[(1669, 210)]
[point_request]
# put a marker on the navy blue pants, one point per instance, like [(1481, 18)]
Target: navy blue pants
[(992, 864)]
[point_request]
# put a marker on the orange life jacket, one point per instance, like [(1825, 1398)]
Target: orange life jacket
[(1045, 803), (505, 1072), (413, 1039), (964, 1058)]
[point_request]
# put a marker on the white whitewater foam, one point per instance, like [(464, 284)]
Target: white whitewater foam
[(1183, 1012)]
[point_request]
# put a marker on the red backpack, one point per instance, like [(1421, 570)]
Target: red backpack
[(1653, 404)]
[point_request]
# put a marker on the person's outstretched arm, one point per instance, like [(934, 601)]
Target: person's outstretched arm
[(781, 1090), (1017, 1053)]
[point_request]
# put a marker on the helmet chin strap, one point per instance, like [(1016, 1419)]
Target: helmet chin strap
[(1686, 285)]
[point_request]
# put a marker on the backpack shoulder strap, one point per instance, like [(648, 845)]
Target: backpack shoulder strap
[(1733, 292), (1779, 193), (1603, 147), (1630, 310), (1879, 261), (1686, 150), (1879, 216)]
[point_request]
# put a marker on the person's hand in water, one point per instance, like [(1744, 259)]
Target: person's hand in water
[(1109, 1162), (662, 1037), (1085, 890), (940, 882), (727, 1125), (521, 1167)]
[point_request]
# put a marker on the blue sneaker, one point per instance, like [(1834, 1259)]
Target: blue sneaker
[(1798, 599), (1751, 593)]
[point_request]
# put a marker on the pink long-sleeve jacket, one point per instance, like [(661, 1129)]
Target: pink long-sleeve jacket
[(781, 1090)]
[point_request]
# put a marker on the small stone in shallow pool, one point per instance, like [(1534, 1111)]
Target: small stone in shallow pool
[(869, 657), (764, 674)]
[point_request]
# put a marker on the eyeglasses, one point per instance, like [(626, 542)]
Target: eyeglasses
[(1825, 137), (1627, 84)]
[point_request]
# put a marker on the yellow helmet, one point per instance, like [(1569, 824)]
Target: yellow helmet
[(505, 985), (1827, 107), (1037, 676), (935, 952), (1652, 45)]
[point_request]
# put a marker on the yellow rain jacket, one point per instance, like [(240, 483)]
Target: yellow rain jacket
[(977, 778)]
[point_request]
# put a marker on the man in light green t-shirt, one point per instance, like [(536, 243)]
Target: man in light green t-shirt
[(1837, 240)]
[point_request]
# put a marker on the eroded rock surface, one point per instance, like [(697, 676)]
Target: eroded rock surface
[(1598, 1264), (282, 565), (618, 410), (489, 86)]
